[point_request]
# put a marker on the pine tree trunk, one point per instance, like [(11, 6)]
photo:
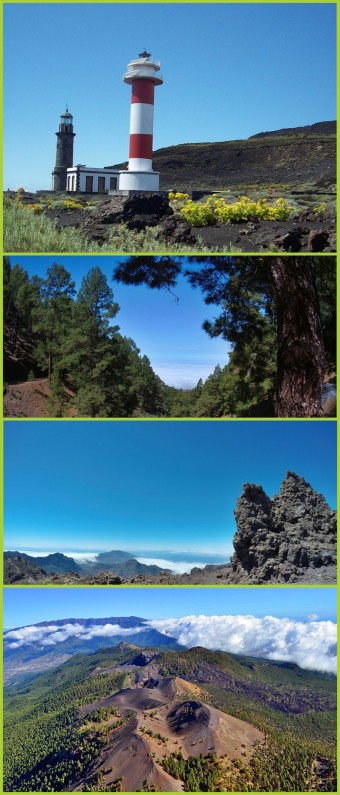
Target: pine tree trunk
[(301, 364)]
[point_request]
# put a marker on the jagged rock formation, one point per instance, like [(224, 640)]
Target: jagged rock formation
[(284, 538), (138, 212)]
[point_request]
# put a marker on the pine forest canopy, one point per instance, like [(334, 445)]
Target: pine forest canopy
[(278, 314)]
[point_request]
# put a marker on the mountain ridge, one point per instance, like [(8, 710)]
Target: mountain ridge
[(117, 562)]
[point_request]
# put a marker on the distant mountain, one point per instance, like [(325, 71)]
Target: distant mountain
[(114, 556), (192, 720), (127, 569), (118, 562)]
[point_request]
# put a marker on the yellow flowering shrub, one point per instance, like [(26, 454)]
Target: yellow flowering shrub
[(319, 210), (71, 204), (217, 210), (36, 208)]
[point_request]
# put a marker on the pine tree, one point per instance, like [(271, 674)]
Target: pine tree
[(90, 350), (51, 316)]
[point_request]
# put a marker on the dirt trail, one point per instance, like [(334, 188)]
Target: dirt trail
[(29, 399)]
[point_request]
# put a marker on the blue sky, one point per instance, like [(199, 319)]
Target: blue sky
[(139, 485), (169, 333), (54, 603), (230, 70)]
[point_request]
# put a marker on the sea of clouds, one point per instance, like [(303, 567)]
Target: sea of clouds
[(176, 566), (311, 643)]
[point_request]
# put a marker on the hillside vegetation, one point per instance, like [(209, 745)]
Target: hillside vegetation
[(76, 727)]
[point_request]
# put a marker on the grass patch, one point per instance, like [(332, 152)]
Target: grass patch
[(26, 231)]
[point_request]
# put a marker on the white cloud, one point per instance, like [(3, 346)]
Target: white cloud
[(186, 374), (176, 566), (81, 557), (52, 634), (311, 645)]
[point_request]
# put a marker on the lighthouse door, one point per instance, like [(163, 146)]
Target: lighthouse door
[(89, 185)]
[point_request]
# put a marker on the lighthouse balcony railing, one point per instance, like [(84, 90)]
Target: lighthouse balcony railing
[(150, 59), (140, 72), (154, 61)]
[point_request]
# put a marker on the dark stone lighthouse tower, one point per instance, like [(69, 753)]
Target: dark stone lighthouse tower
[(64, 155)]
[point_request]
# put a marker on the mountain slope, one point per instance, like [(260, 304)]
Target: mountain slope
[(55, 562), (79, 727), (296, 155), (18, 569)]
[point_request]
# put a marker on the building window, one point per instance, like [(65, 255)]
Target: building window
[(89, 185), (73, 182), (101, 184), (113, 183), (68, 182)]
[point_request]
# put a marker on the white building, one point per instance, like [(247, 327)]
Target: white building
[(82, 179)]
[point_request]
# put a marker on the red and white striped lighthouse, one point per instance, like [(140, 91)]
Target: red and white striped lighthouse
[(143, 75)]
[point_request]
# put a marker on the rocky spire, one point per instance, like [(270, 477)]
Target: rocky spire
[(280, 539)]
